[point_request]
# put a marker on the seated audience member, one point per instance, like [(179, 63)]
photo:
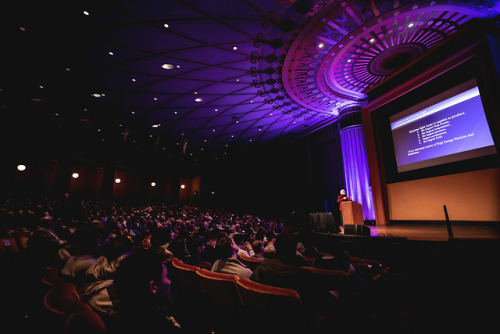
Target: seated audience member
[(88, 240), (142, 287), (45, 243), (258, 248), (98, 292), (282, 269), (209, 253), (271, 239), (244, 247), (334, 258), (160, 241), (228, 262)]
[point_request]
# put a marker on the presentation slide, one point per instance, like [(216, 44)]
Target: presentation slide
[(451, 130)]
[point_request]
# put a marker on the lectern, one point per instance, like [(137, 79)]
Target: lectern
[(352, 218), (352, 214)]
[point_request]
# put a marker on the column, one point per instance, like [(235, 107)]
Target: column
[(356, 173)]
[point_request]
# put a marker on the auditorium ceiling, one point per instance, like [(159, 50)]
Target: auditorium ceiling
[(200, 78)]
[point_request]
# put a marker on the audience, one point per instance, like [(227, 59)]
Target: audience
[(117, 252)]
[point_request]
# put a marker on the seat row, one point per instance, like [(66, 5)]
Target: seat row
[(234, 301)]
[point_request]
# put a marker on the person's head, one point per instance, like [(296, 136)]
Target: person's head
[(286, 246), (239, 238), (258, 246), (142, 280), (270, 236), (342, 192), (226, 248)]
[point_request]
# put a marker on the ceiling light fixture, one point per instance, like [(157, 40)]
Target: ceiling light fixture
[(86, 13), (21, 168), (168, 66), (75, 175), (199, 99)]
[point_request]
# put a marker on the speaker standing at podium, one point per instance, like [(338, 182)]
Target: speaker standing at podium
[(342, 198)]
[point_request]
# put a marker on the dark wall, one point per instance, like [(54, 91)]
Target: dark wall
[(271, 179)]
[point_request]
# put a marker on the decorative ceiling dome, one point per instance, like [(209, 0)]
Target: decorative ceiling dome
[(350, 46)]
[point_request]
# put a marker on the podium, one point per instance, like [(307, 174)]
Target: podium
[(352, 214), (352, 217)]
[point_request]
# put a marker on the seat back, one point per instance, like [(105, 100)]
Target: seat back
[(8, 245), (52, 277), (221, 291), (276, 308), (63, 299), (251, 262), (314, 280), (185, 282), (84, 322)]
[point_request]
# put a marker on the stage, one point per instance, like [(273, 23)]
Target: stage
[(433, 232)]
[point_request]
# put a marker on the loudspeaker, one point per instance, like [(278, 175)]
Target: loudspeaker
[(356, 229)]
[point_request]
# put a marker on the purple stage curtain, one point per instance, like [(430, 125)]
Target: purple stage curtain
[(356, 174)]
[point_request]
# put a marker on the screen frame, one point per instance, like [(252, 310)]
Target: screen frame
[(422, 95)]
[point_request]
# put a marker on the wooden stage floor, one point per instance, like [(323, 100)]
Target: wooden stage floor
[(433, 232)]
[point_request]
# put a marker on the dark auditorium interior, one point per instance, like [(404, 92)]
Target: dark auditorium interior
[(168, 127)]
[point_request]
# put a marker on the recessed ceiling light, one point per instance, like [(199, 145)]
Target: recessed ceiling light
[(75, 175), (178, 66), (216, 109), (21, 168), (175, 112), (237, 121), (117, 180), (213, 130), (166, 25), (321, 45), (40, 86), (168, 66), (155, 98), (153, 184), (86, 13), (195, 93), (235, 48), (372, 40), (96, 95), (133, 79), (110, 53), (199, 99), (133, 112), (22, 28), (410, 25)]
